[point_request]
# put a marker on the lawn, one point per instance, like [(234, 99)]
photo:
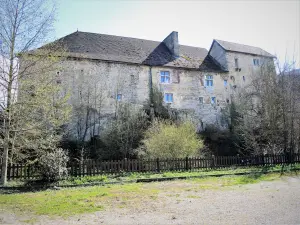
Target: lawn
[(71, 201)]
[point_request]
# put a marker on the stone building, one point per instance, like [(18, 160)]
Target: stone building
[(104, 70)]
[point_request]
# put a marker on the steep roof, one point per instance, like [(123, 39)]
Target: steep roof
[(131, 50), (235, 47)]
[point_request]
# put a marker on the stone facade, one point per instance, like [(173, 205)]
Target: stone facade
[(101, 83)]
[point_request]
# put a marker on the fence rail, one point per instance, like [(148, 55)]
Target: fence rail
[(98, 167)]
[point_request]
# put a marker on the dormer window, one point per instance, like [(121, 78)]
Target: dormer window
[(256, 62), (165, 77)]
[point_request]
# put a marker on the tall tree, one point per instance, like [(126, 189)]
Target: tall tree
[(33, 105)]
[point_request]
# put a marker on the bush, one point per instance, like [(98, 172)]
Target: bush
[(53, 165), (165, 139), (124, 134)]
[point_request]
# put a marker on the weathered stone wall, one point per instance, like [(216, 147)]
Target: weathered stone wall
[(187, 87), (243, 77), (96, 84)]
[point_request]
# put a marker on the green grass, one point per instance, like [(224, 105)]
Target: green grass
[(132, 177), (128, 177), (71, 201)]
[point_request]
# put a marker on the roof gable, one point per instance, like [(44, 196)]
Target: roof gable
[(235, 47)]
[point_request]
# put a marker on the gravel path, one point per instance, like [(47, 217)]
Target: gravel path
[(276, 202)]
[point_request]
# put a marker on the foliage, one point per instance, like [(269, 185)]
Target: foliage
[(33, 103), (165, 139), (53, 165), (263, 118), (218, 142), (123, 135)]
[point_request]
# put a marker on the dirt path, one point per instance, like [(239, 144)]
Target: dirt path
[(276, 202)]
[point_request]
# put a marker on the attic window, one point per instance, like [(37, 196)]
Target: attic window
[(256, 62)]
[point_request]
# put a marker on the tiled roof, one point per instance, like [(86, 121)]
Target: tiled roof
[(235, 47), (131, 50)]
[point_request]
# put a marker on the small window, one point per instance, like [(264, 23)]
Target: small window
[(225, 83), (244, 79), (164, 77), (209, 82), (213, 100), (236, 62), (119, 97), (168, 97), (256, 62), (201, 100), (132, 78)]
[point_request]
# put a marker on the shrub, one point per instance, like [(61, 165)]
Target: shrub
[(165, 139), (53, 165)]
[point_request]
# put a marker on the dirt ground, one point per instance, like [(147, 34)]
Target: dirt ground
[(272, 202)]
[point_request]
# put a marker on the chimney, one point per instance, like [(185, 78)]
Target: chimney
[(172, 43)]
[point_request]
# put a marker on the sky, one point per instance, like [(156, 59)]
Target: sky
[(271, 25)]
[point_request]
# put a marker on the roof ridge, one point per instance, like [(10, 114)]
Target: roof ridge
[(238, 44), (128, 37)]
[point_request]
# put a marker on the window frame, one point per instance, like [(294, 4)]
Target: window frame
[(165, 74), (256, 62), (119, 99), (209, 79), (201, 100), (225, 83), (213, 100), (167, 98), (236, 62)]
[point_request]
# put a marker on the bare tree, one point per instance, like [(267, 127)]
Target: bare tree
[(265, 115), (24, 25)]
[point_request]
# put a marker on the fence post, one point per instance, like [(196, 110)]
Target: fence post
[(186, 163), (157, 165), (212, 161)]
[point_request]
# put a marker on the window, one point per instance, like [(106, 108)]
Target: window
[(244, 79), (119, 97), (164, 77), (256, 62), (168, 97), (225, 83), (213, 100), (209, 81), (201, 100), (132, 80), (236, 62)]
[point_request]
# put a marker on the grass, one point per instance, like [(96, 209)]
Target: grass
[(132, 177), (71, 201)]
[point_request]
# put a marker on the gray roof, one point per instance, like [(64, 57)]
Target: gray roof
[(133, 50), (235, 47)]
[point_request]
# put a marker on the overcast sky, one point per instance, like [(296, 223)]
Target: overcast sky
[(271, 25)]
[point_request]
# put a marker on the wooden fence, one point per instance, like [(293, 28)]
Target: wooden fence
[(97, 167)]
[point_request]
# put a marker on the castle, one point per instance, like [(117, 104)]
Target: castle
[(104, 70)]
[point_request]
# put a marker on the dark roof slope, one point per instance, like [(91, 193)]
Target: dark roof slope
[(235, 47), (130, 50)]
